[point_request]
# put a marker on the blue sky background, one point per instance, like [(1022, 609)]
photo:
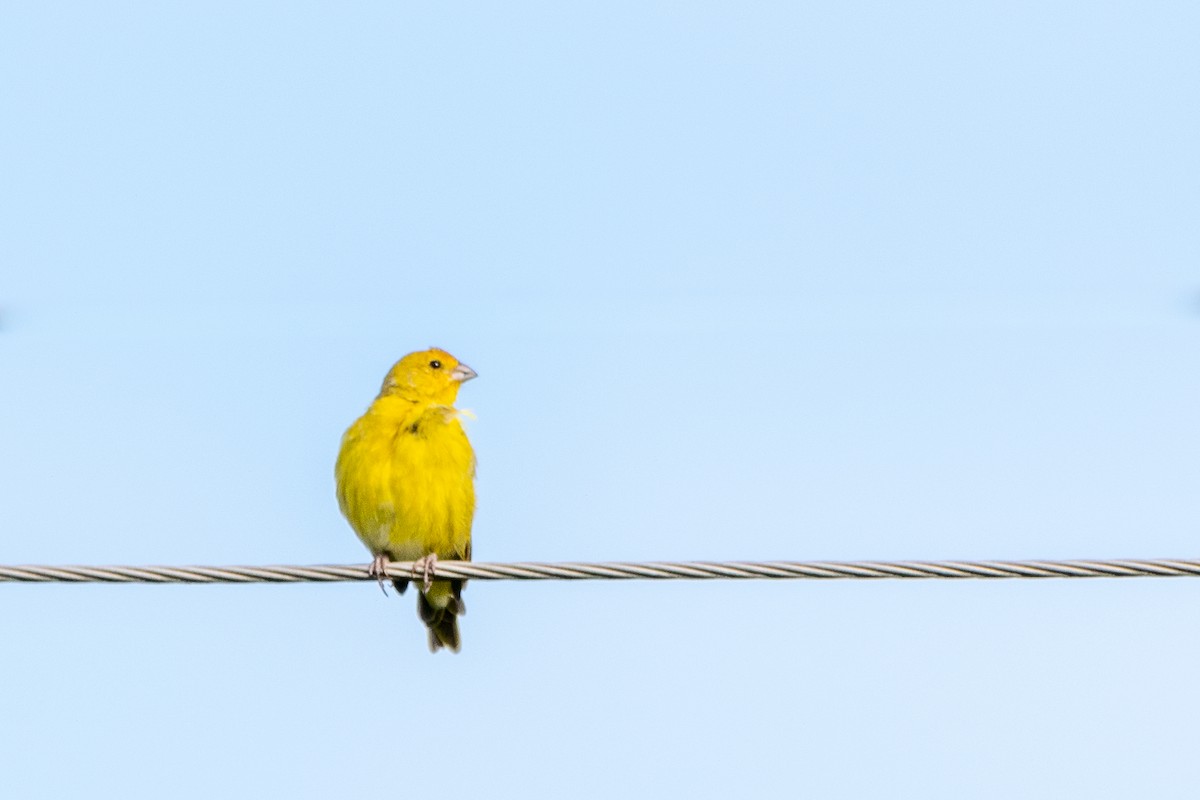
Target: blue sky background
[(828, 280)]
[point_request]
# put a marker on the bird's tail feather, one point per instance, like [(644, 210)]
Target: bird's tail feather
[(440, 608)]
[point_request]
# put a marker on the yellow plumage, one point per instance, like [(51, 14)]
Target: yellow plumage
[(405, 480)]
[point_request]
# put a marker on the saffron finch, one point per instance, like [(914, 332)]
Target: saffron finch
[(405, 482)]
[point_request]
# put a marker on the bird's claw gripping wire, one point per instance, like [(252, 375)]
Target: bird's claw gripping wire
[(378, 571), (423, 568)]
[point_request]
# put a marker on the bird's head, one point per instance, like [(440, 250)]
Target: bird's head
[(431, 376)]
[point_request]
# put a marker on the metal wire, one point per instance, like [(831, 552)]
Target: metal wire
[(658, 570)]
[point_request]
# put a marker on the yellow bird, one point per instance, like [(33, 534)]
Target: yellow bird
[(406, 482)]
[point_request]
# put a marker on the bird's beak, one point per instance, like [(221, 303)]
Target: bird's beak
[(462, 373)]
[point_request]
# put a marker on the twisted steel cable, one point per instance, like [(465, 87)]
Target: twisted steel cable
[(656, 570)]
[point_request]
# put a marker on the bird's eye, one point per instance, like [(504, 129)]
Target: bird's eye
[(435, 364)]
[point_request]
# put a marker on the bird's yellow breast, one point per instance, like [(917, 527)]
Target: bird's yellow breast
[(405, 477)]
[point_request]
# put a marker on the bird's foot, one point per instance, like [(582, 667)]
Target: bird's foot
[(423, 568), (378, 571)]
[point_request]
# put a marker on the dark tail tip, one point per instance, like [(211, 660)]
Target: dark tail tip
[(443, 622)]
